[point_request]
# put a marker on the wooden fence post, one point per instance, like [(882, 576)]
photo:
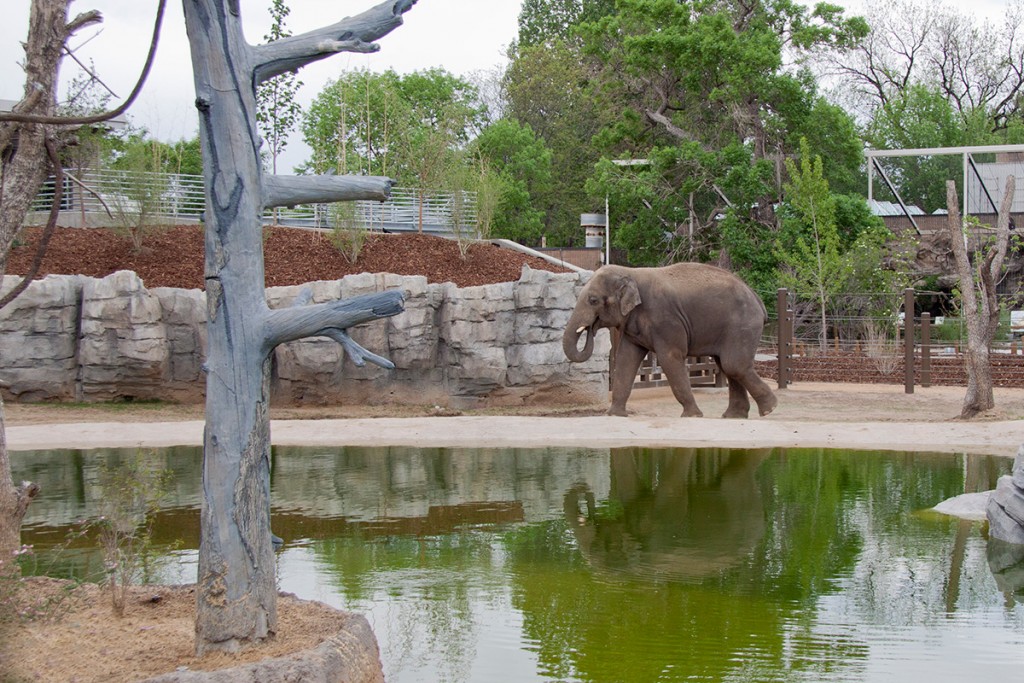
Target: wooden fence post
[(785, 338), (926, 349), (908, 341)]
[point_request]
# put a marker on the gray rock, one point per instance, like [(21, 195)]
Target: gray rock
[(39, 330), (351, 656), (123, 349), (110, 338), (1006, 506), (1006, 562), (970, 506)]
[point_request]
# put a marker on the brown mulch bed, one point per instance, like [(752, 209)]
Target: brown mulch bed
[(173, 257)]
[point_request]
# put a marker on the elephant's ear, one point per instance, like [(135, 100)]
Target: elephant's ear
[(629, 295)]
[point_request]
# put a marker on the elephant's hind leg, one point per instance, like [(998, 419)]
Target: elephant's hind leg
[(739, 400), (744, 375), (762, 393)]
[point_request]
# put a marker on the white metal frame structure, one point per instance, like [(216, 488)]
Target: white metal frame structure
[(968, 162)]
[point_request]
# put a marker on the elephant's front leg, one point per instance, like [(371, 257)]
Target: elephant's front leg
[(628, 357), (673, 364)]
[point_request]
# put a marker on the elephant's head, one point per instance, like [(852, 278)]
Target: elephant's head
[(605, 301)]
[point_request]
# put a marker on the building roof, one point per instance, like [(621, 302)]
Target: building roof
[(892, 209)]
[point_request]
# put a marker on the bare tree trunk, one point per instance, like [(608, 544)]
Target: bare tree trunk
[(978, 298), (14, 502), (979, 396), (23, 168), (236, 583), (22, 145)]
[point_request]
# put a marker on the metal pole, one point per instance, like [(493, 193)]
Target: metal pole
[(607, 233), (871, 181), (965, 186)]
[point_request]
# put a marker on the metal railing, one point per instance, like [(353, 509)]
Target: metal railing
[(107, 194)]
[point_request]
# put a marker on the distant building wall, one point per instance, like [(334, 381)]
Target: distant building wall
[(589, 259)]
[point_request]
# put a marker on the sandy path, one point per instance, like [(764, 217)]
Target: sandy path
[(880, 417)]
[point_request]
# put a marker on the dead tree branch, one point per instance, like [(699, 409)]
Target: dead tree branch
[(351, 34)]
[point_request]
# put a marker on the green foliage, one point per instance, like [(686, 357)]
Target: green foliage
[(919, 117), (277, 111), (711, 80), (134, 149), (522, 166), (350, 126), (544, 22), (810, 247), (391, 125), (347, 234), (130, 495), (135, 194), (551, 90)]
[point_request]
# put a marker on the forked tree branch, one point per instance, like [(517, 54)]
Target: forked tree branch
[(327, 320), (351, 34)]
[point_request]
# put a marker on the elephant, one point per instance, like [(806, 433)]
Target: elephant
[(686, 309)]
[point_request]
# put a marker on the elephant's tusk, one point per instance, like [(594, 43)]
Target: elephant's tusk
[(580, 330)]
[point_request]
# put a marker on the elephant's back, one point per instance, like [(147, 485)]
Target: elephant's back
[(702, 276), (713, 291)]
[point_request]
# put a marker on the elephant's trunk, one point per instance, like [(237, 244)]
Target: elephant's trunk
[(571, 340)]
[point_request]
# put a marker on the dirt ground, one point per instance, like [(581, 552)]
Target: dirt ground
[(802, 401), (89, 644)]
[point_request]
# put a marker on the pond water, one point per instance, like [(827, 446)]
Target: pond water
[(596, 565)]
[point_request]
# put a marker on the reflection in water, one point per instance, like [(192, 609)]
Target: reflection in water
[(679, 513), (629, 565), (1006, 560)]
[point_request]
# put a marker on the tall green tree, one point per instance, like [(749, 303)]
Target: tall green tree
[(811, 257), (547, 22), (277, 110), (715, 100), (367, 122), (550, 90), (522, 163)]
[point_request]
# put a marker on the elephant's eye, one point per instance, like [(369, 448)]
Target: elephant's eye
[(593, 301)]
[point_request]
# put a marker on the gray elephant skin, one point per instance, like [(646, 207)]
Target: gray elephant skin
[(686, 309)]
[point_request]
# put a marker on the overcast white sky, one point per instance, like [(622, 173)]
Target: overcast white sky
[(461, 36)]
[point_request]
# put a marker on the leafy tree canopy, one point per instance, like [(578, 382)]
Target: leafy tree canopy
[(369, 123), (550, 91), (921, 117), (523, 164), (713, 102), (134, 150), (544, 22)]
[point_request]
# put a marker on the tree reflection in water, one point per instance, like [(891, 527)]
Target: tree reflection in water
[(631, 564)]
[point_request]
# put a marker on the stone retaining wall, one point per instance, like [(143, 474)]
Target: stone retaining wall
[(78, 338)]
